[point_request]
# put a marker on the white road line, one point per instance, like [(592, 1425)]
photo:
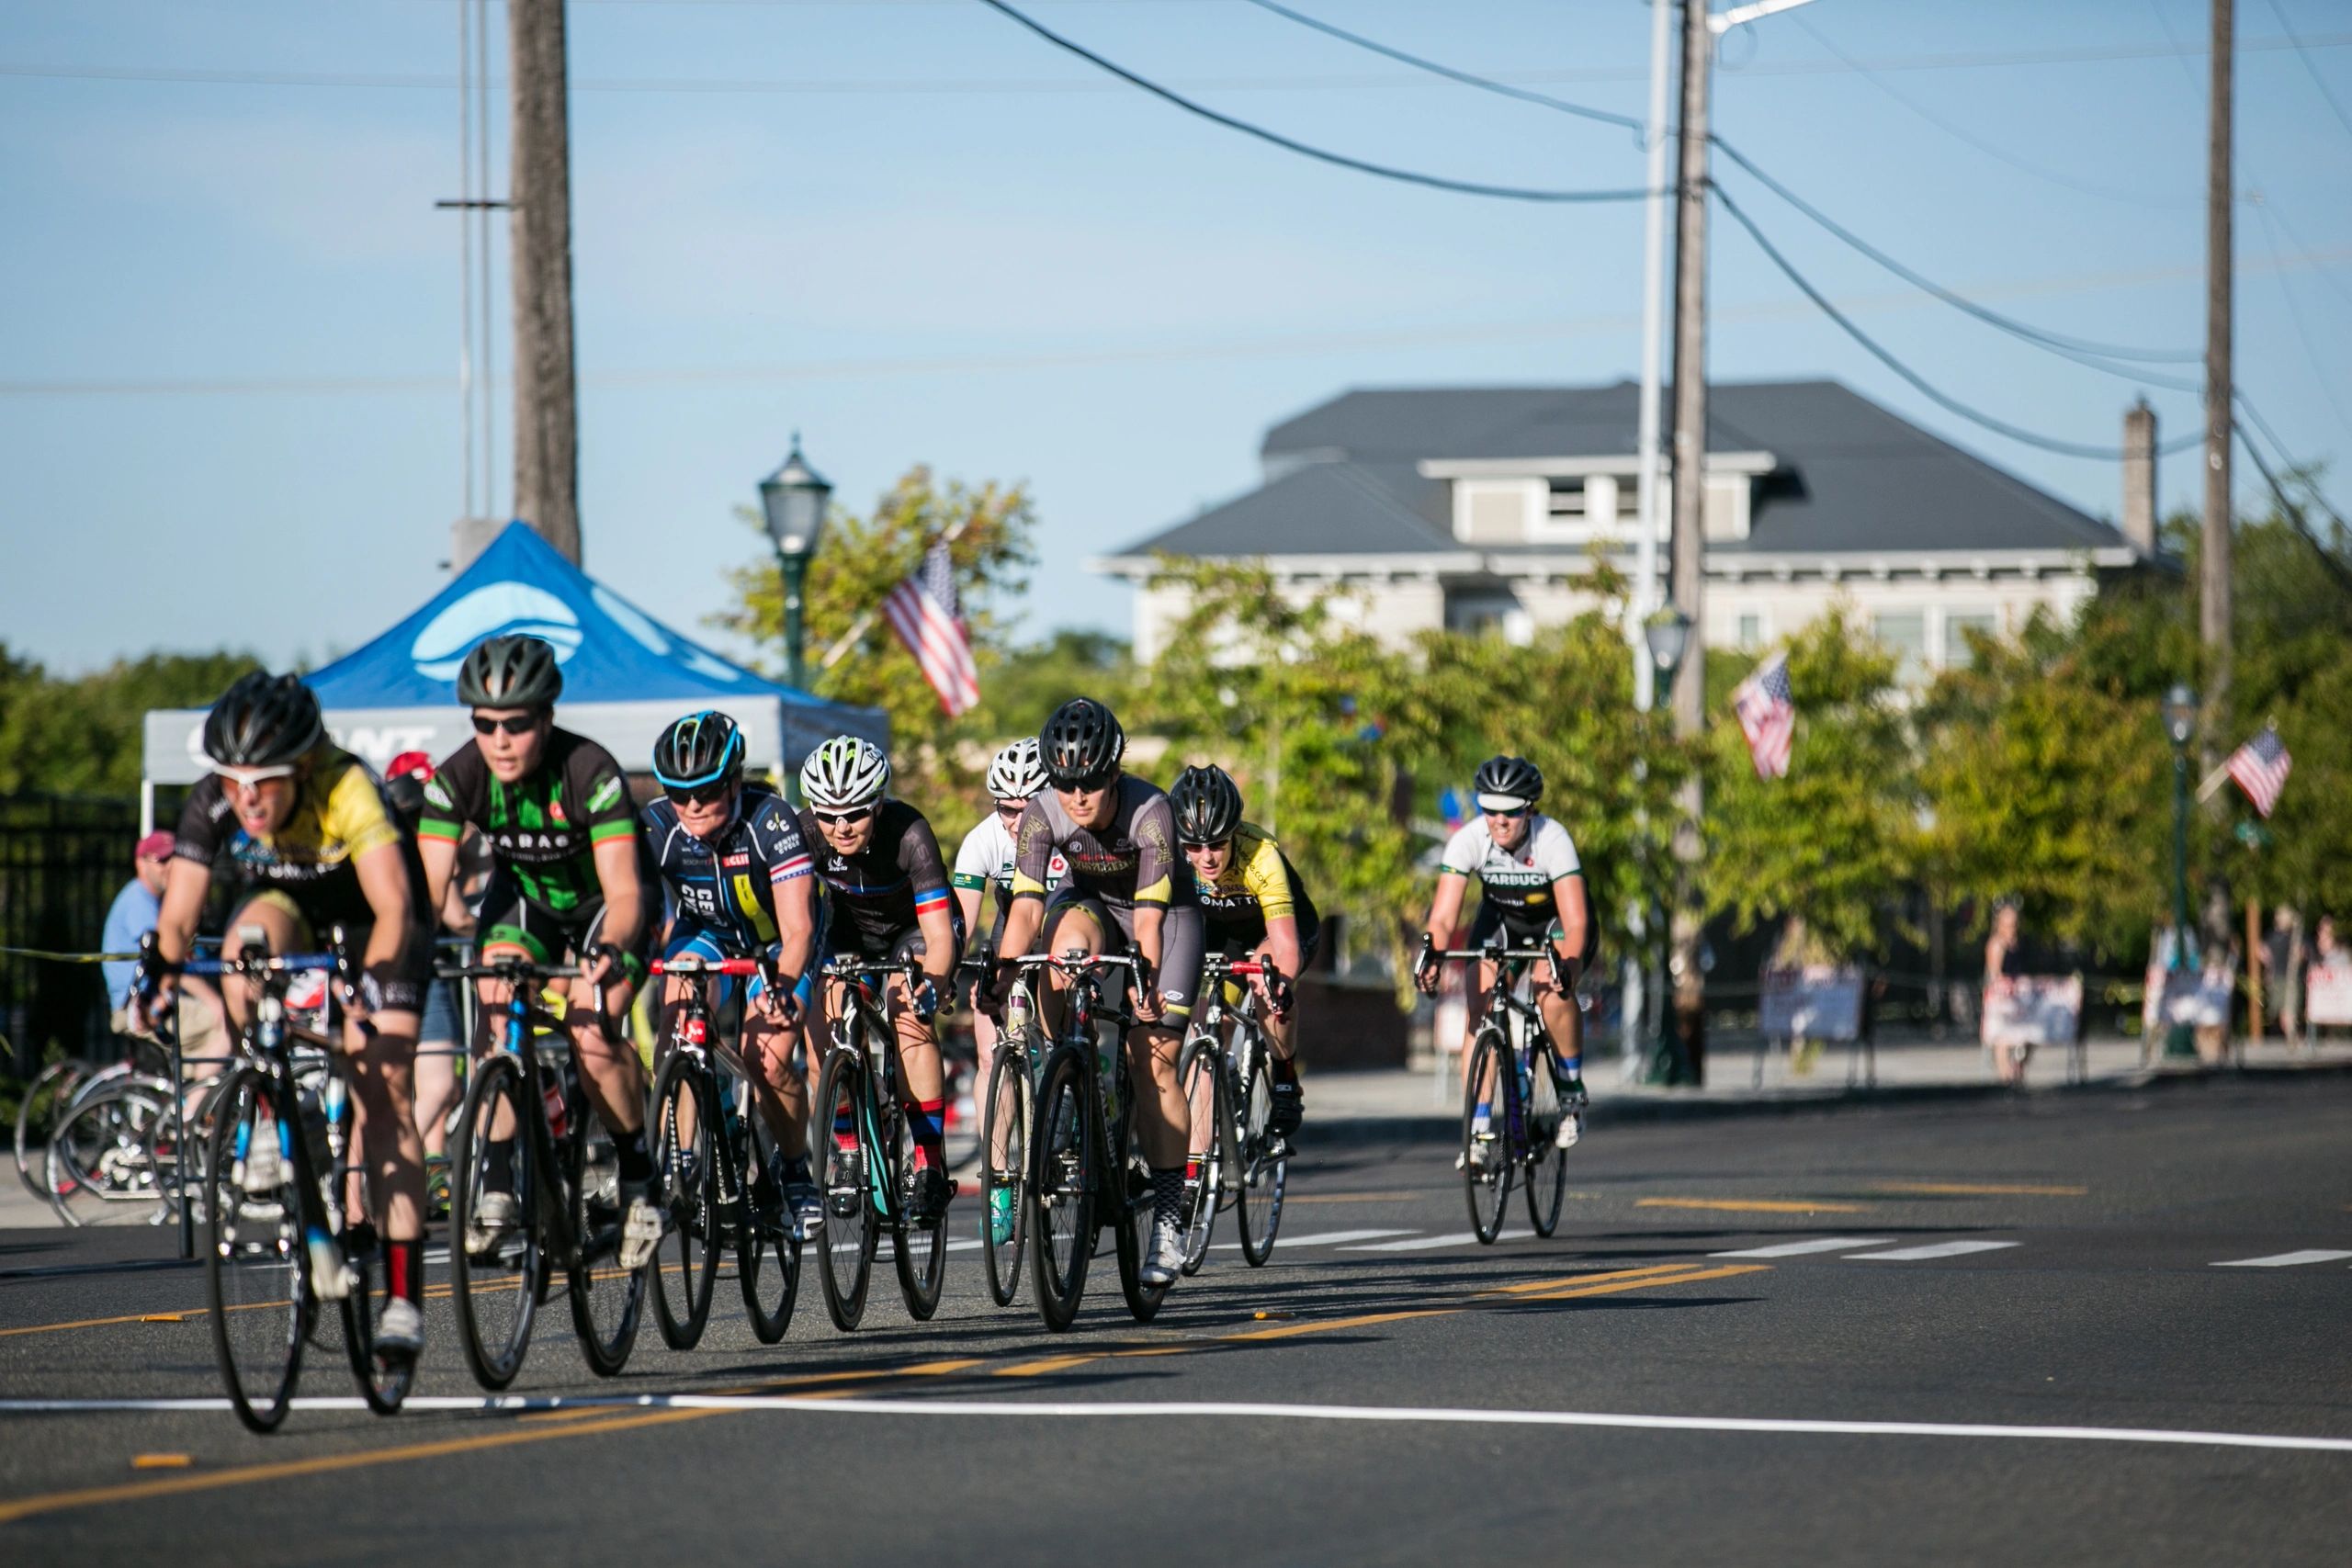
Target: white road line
[(1799, 1249), (1108, 1409), (969, 1244), (1939, 1250), (1324, 1239), (2285, 1260), (1423, 1243)]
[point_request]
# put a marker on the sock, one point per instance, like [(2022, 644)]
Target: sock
[(1571, 1068), (845, 1128), (926, 1119), (1482, 1117), (498, 1166), (636, 1159), (1166, 1196), (405, 1271)]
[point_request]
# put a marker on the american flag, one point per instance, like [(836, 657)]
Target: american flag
[(924, 612), (1768, 716), (2260, 767)]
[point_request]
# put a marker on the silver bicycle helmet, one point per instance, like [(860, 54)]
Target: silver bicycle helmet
[(844, 772), (1018, 771)]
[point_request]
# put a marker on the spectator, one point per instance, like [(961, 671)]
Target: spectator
[(2282, 971), (2002, 963), (128, 919)]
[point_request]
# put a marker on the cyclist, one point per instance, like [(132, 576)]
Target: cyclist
[(1251, 901), (887, 899), (554, 810), (1530, 890), (984, 862), (302, 824), (736, 870), (1128, 891)]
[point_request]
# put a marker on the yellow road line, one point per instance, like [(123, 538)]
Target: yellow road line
[(1650, 1272), (1753, 1204), (1613, 1287), (1983, 1188)]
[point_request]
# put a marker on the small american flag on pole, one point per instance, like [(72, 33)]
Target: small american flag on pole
[(923, 610), (1768, 716), (2260, 767)]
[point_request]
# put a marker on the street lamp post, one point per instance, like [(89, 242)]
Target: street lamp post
[(1666, 636), (793, 500), (2180, 728)]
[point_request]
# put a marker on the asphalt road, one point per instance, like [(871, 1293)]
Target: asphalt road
[(1991, 1271)]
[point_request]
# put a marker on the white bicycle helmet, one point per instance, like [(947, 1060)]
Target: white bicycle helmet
[(1018, 771), (844, 772)]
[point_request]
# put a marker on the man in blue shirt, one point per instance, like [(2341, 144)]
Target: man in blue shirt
[(131, 917)]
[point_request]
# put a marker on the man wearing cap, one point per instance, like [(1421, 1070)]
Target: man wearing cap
[(131, 917)]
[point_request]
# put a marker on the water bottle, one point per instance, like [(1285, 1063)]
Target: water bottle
[(552, 1094)]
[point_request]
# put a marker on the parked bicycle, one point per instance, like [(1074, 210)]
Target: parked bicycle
[(526, 1129), (1232, 1160), (1525, 1100)]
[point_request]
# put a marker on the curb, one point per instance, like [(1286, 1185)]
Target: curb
[(1445, 1126)]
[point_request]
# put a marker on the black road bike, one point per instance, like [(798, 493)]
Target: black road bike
[(524, 1109), (1232, 1160), (1009, 1095), (710, 1144), (1510, 1065)]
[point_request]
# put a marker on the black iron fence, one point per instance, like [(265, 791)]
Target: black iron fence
[(61, 862)]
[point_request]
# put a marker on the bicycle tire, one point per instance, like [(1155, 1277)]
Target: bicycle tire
[(767, 1257), (1487, 1187), (1198, 1074), (685, 1187), (1546, 1181), (498, 1295), (1132, 1203), (256, 1271), (1004, 1166), (607, 1302), (1265, 1175), (101, 1156), (37, 1113), (845, 1260), (917, 1247), (384, 1382), (1061, 1185)]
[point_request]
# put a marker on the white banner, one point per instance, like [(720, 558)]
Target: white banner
[(1819, 1001), (2197, 998), (2033, 1009), (2327, 994)]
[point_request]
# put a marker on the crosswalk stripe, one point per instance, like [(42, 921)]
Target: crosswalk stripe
[(1939, 1250), (1424, 1243), (1325, 1238), (2286, 1259), (1799, 1249)]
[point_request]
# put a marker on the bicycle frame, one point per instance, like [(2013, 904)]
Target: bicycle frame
[(518, 1016), (693, 1036), (1506, 1007), (862, 1028)]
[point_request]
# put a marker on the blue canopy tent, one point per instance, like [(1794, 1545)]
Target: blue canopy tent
[(625, 676)]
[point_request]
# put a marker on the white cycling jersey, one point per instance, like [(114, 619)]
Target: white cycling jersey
[(1518, 881), (987, 855)]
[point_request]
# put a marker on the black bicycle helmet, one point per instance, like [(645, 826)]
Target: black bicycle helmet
[(1081, 744), (511, 671), (263, 721), (1508, 784), (1208, 806), (404, 798), (700, 748)]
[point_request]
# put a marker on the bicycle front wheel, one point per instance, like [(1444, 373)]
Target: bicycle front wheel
[(498, 1268), (1485, 1153), (254, 1266), (1547, 1166), (1061, 1184), (685, 1187), (1199, 1073), (1004, 1164), (1264, 1158), (851, 1230)]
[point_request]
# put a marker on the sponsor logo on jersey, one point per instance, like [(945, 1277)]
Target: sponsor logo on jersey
[(744, 859), (605, 794), (439, 794), (555, 811)]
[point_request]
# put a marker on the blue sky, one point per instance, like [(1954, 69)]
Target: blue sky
[(915, 232)]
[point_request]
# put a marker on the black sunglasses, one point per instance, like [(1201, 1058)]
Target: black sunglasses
[(522, 724), (842, 818), (699, 795), (1011, 807)]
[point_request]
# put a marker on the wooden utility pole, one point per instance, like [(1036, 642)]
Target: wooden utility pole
[(547, 417), (1690, 513), (2214, 618)]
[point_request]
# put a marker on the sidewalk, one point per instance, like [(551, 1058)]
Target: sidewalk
[(1412, 1104)]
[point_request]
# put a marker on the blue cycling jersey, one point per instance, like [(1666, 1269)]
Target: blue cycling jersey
[(725, 887)]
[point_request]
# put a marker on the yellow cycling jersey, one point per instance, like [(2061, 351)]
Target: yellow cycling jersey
[(1256, 878), (338, 817)]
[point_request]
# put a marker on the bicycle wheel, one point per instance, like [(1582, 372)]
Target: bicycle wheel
[(1203, 1187), (253, 1264), (1264, 1158), (852, 1227), (607, 1301), (767, 1256), (1547, 1167), (1004, 1164), (499, 1291), (37, 1113), (1487, 1158), (100, 1169), (1061, 1184), (918, 1248), (1131, 1202), (685, 1187)]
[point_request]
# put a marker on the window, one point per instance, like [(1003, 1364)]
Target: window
[(1497, 512), (1957, 626), (1904, 633), (1751, 631)]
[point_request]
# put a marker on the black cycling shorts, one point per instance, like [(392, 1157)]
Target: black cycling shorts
[(509, 918), (1183, 941)]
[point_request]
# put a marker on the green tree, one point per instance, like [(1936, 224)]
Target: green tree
[(84, 735)]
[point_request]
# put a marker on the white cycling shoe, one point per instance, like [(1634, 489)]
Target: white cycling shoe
[(401, 1331), (1163, 1260), (641, 1230), (492, 1219)]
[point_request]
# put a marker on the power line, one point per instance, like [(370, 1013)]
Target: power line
[(1918, 382), (1274, 138), (2294, 513), (2311, 65)]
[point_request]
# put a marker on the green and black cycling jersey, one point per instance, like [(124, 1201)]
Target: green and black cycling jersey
[(542, 830)]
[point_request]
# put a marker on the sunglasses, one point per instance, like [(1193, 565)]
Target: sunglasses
[(699, 795), (1094, 785), (1203, 849), (842, 818), (1009, 809), (521, 724), (254, 778), (1513, 815)]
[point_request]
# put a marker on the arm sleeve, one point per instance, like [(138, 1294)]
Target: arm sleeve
[(1154, 836), (973, 861), (919, 858), (602, 794), (1268, 879), (444, 815), (1032, 850)]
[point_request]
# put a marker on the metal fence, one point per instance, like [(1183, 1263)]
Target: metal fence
[(61, 862)]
